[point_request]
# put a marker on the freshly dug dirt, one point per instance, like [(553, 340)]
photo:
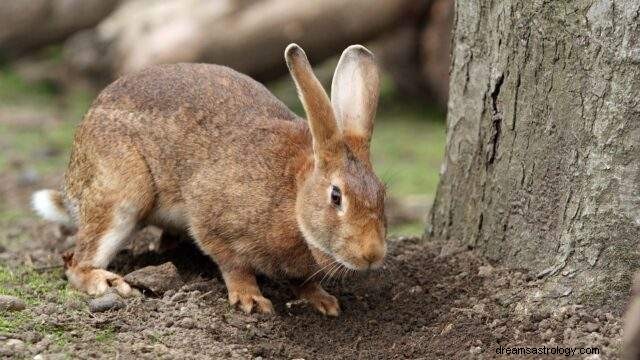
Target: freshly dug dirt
[(425, 304)]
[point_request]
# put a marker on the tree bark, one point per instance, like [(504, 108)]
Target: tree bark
[(28, 24), (248, 36), (542, 166)]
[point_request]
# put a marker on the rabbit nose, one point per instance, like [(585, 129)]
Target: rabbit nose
[(373, 256)]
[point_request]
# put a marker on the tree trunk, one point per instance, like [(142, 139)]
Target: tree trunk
[(249, 36), (542, 166), (28, 24)]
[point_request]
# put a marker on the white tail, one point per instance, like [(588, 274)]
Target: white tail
[(49, 205)]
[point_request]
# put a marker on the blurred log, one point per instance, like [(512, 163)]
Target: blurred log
[(28, 24), (417, 54), (248, 36)]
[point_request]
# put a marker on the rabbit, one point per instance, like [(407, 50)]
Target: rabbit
[(204, 149)]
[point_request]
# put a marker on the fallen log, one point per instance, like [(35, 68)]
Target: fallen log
[(248, 36), (27, 25)]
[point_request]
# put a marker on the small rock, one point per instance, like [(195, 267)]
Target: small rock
[(475, 350), (560, 291), (48, 309), (485, 270), (11, 303), (187, 323), (106, 302), (537, 317), (15, 345), (415, 290), (160, 348), (547, 335), (447, 329), (158, 279), (50, 357), (591, 327)]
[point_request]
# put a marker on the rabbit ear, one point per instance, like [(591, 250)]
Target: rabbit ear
[(316, 103), (354, 92)]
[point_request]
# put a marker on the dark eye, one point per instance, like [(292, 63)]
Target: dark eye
[(336, 195)]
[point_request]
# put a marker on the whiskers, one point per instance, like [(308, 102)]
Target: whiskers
[(335, 273), (329, 263)]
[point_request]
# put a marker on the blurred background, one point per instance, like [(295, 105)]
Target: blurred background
[(56, 55)]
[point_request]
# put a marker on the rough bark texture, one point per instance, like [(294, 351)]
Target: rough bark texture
[(249, 36), (542, 167), (28, 24)]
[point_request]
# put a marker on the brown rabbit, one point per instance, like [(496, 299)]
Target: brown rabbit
[(208, 150)]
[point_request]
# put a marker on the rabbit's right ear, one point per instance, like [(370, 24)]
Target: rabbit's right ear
[(354, 92), (317, 105)]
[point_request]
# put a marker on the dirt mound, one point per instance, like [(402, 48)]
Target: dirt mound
[(423, 304)]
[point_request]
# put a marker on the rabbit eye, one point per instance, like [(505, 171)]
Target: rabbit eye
[(336, 195)]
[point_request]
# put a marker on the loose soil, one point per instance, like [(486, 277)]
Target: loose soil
[(422, 305)]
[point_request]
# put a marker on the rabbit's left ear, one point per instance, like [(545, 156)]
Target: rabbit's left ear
[(354, 92)]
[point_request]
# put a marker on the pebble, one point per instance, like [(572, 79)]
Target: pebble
[(187, 323), (106, 302), (11, 303), (485, 270), (15, 345), (475, 350), (591, 327)]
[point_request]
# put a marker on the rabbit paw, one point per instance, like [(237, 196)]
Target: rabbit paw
[(324, 302), (247, 301), (98, 281)]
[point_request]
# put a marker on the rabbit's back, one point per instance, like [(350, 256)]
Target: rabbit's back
[(205, 90), (203, 131)]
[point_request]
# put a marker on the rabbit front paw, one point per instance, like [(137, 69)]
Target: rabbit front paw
[(321, 300), (247, 301)]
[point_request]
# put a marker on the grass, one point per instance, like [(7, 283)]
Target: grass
[(36, 288)]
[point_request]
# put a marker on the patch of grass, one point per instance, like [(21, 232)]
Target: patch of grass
[(106, 335), (27, 142), (407, 148), (15, 91), (33, 286), (36, 288), (410, 229)]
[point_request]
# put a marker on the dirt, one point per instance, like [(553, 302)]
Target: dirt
[(423, 304)]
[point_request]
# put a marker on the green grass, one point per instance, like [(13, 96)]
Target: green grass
[(36, 288), (106, 335)]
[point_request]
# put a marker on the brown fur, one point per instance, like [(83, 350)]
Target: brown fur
[(206, 149)]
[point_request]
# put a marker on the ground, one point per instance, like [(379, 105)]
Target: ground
[(427, 302)]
